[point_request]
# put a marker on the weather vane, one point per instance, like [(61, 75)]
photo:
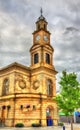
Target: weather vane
[(41, 11)]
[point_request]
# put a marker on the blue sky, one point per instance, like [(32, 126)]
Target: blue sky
[(17, 22)]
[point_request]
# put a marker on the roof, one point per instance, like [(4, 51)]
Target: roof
[(36, 45), (15, 64), (41, 17)]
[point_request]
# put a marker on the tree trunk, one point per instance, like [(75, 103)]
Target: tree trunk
[(71, 122)]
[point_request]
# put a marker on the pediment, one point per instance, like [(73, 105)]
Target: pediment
[(13, 66)]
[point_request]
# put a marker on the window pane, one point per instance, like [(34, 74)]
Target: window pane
[(35, 58), (47, 58), (5, 89), (49, 88)]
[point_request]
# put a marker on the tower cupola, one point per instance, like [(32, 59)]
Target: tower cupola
[(41, 50), (41, 22)]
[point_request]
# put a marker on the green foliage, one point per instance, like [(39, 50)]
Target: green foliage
[(69, 97), (60, 123), (19, 125), (36, 125)]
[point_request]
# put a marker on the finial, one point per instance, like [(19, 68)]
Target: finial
[(41, 11)]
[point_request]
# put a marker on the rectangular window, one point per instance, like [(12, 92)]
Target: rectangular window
[(36, 58), (49, 88), (47, 58)]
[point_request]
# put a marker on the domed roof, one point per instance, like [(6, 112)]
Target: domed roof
[(41, 17)]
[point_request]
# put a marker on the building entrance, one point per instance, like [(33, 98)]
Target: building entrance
[(49, 119)]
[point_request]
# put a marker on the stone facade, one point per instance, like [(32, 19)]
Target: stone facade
[(26, 92)]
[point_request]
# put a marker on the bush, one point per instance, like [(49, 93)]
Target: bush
[(36, 125), (60, 123), (19, 125)]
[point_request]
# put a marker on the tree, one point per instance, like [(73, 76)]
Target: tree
[(69, 97)]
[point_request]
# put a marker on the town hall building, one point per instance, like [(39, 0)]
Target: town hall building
[(26, 93)]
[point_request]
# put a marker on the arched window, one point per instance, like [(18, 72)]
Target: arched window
[(44, 26), (38, 26), (49, 88), (47, 58), (5, 89), (36, 58)]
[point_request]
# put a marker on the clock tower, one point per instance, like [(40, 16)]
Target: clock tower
[(41, 51), (43, 74)]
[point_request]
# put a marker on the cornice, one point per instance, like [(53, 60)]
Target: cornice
[(43, 68), (46, 46), (23, 95), (41, 30), (13, 66)]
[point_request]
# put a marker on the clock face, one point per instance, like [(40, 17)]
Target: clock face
[(38, 37), (45, 38)]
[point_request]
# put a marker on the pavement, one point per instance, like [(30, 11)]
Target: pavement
[(67, 127)]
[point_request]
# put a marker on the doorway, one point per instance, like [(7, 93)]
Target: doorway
[(49, 116), (3, 115)]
